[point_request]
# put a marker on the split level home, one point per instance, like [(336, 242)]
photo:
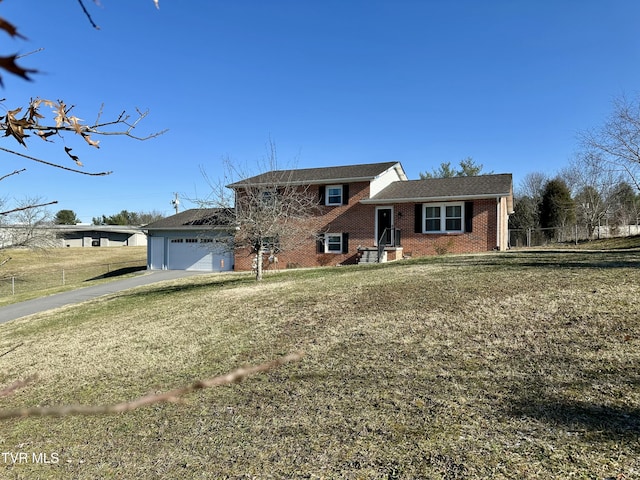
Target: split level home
[(366, 213)]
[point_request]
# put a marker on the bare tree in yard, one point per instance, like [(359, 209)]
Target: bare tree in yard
[(592, 181), (618, 139), (31, 227), (272, 212)]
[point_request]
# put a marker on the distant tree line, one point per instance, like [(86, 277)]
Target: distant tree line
[(588, 194), (126, 217)]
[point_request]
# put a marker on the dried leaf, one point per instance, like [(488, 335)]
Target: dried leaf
[(93, 143), (9, 64), (11, 29), (75, 124), (73, 157), (45, 135)]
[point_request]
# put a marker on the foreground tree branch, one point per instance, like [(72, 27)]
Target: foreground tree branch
[(29, 206), (171, 396)]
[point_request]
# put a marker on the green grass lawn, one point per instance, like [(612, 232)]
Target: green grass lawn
[(513, 365)]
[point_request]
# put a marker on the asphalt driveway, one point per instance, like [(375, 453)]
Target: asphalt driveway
[(29, 307)]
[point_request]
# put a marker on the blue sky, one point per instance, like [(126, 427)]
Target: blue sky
[(509, 83)]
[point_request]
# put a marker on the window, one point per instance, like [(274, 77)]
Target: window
[(191, 240), (432, 219), (334, 195), (443, 218), (453, 218), (177, 240), (334, 243)]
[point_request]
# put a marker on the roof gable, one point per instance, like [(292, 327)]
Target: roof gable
[(310, 176), (445, 189)]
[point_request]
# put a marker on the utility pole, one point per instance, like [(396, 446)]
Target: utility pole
[(176, 203)]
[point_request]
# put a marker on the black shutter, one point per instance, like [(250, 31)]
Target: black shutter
[(468, 217), (345, 243), (321, 190), (345, 194), (320, 243), (418, 218)]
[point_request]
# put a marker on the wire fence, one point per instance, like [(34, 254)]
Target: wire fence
[(37, 280), (538, 237)]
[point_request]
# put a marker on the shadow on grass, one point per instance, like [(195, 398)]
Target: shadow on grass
[(118, 272), (608, 421), (544, 258), (182, 287)]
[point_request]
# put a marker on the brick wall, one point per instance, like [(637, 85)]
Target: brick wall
[(358, 220), (354, 218), (481, 239)]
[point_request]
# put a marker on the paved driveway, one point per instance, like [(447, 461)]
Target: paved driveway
[(22, 309)]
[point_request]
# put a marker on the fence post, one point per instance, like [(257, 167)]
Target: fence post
[(13, 285), (63, 277)]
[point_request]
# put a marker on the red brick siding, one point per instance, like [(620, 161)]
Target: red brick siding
[(481, 239), (354, 218), (358, 220)]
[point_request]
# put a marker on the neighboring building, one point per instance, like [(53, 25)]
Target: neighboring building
[(76, 235), (100, 235), (196, 239), (372, 212)]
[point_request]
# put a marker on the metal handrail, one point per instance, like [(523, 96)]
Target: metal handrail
[(394, 239)]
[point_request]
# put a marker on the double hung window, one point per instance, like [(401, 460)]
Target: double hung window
[(443, 217), (334, 195)]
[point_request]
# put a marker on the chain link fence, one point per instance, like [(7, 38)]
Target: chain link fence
[(538, 237), (29, 282)]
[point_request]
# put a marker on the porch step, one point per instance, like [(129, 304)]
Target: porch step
[(370, 255)]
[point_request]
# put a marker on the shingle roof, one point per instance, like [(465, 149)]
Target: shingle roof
[(445, 189), (196, 218), (309, 176)]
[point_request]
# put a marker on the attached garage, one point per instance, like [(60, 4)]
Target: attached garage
[(197, 239)]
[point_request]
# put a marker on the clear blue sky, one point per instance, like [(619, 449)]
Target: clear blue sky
[(331, 82)]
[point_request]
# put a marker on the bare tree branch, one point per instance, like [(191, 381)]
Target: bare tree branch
[(28, 207), (88, 15), (15, 172), (171, 396), (91, 174)]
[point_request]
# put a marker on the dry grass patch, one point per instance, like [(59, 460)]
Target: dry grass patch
[(33, 273), (494, 366)]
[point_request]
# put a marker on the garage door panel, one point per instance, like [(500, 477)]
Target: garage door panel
[(198, 256)]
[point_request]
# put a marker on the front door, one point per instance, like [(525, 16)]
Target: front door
[(384, 225)]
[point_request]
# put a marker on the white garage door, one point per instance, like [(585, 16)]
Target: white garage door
[(198, 254)]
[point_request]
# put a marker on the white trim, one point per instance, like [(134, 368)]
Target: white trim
[(326, 243), (376, 233)]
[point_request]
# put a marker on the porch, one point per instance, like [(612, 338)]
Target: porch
[(388, 248)]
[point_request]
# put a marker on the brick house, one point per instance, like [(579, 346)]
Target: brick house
[(373, 212)]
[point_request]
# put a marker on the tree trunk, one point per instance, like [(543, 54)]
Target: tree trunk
[(259, 258)]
